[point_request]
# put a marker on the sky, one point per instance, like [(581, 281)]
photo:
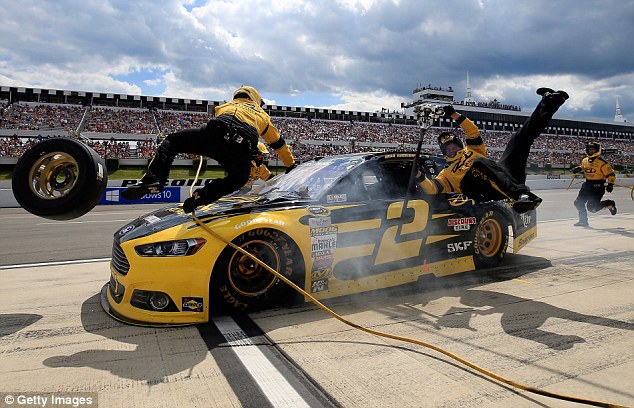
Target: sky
[(361, 55)]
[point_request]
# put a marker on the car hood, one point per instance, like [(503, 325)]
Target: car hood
[(173, 215)]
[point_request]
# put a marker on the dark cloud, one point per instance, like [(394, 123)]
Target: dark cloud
[(361, 51)]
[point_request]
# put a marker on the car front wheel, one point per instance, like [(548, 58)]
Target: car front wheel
[(240, 283)]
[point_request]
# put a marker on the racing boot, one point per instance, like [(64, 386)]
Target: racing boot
[(612, 207), (526, 202), (147, 185), (549, 95)]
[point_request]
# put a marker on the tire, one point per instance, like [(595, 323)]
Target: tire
[(491, 240), (240, 284), (59, 179)]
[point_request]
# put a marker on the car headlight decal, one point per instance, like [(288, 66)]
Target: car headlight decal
[(181, 247)]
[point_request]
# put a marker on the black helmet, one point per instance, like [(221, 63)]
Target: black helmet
[(446, 138), (597, 149)]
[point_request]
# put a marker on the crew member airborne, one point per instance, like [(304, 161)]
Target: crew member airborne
[(482, 179), (230, 138)]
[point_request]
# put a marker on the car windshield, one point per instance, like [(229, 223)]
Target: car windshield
[(309, 180)]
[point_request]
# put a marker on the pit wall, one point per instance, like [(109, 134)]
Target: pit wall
[(177, 190)]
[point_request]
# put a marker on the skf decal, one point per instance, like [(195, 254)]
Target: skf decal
[(192, 304), (459, 246), (526, 219), (318, 211), (461, 223), (337, 198), (319, 285)]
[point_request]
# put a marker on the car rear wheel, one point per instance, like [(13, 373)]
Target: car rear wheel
[(59, 179), (491, 240), (240, 283)]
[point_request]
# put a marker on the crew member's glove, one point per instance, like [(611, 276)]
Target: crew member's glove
[(420, 176), (427, 166), (291, 167), (609, 187), (576, 170), (448, 110), (198, 198)]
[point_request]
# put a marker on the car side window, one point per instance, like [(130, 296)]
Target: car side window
[(391, 181)]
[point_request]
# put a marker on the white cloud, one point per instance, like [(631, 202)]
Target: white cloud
[(351, 49)]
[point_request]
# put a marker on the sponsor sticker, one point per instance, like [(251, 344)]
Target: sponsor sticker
[(459, 246), (192, 304), (319, 285), (319, 222), (461, 224), (323, 243), (168, 195), (318, 211), (337, 198)]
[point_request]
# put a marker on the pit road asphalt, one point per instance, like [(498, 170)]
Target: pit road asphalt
[(558, 316)]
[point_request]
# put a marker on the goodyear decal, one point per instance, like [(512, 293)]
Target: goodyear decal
[(259, 220), (192, 304)]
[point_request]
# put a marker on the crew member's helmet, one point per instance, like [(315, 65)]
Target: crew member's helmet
[(597, 149), (446, 138), (248, 92)]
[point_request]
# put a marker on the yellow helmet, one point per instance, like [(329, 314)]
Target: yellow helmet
[(248, 92)]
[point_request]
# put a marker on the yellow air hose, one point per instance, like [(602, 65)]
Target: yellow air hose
[(395, 337)]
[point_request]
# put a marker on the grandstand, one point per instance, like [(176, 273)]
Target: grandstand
[(126, 126)]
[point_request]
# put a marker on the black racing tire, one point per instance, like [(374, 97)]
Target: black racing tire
[(59, 179), (239, 284), (490, 240)]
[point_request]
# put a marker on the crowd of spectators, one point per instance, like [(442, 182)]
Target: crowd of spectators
[(309, 138), (109, 120), (40, 117)]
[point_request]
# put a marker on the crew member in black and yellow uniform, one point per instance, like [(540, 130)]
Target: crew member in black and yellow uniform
[(596, 170), (230, 138), (470, 172)]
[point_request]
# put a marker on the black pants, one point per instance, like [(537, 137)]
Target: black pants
[(517, 150), (218, 140), (590, 194), (487, 180)]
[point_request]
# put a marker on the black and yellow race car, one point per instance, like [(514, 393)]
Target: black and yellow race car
[(334, 226)]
